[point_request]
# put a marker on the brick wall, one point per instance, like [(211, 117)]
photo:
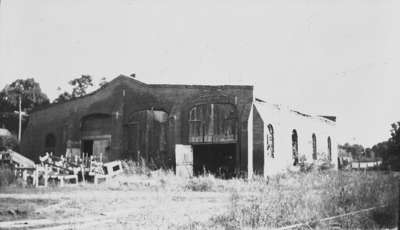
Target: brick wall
[(124, 96)]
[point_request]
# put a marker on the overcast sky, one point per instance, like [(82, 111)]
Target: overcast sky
[(336, 57)]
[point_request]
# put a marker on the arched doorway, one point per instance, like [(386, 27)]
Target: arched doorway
[(295, 147)]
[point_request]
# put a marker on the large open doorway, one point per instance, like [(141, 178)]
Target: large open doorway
[(217, 159), (87, 147)]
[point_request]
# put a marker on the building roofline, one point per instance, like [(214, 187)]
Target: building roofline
[(182, 85), (325, 118), (140, 83)]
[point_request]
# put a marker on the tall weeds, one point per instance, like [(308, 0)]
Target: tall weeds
[(308, 197)]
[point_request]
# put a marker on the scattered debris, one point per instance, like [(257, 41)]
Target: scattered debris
[(60, 170)]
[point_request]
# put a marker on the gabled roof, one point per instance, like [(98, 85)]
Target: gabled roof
[(78, 98)]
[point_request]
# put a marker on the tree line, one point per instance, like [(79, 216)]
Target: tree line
[(388, 151), (19, 98)]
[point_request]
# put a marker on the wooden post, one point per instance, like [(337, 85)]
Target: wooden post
[(45, 176), (398, 207), (61, 178), (20, 119), (83, 174), (36, 176)]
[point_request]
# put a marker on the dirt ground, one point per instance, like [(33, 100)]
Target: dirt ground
[(92, 207), (164, 201)]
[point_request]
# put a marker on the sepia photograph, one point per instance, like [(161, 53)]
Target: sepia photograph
[(200, 114)]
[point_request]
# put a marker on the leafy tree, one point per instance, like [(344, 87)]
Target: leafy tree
[(28, 90), (389, 150), (357, 151), (22, 95), (81, 85), (395, 133), (369, 153), (8, 142)]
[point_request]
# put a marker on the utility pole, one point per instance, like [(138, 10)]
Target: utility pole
[(20, 118)]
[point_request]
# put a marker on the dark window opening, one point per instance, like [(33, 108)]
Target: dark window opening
[(314, 146), (271, 141), (295, 147), (329, 149), (87, 147)]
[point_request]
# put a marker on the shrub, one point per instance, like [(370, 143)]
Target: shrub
[(201, 184), (8, 142), (135, 168)]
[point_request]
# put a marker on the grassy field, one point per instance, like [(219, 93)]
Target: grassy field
[(143, 199)]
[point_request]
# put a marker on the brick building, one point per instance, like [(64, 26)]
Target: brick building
[(217, 126)]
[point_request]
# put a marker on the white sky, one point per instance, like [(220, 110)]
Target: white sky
[(319, 56)]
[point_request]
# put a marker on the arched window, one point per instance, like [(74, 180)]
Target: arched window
[(213, 123), (271, 141), (50, 143), (329, 149), (295, 147), (314, 146)]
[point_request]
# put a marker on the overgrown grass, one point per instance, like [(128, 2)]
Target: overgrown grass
[(281, 200), (308, 197), (297, 197)]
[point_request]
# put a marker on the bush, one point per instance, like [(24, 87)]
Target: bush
[(201, 184), (8, 142), (135, 168)]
